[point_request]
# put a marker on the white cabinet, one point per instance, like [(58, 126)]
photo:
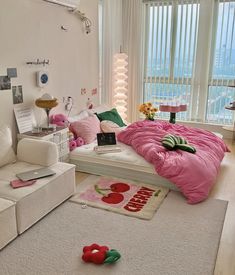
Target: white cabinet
[(58, 136)]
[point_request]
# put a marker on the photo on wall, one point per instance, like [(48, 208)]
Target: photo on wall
[(5, 82), (17, 94)]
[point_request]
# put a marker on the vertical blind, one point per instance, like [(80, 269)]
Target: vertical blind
[(171, 32), (222, 73), (190, 57)]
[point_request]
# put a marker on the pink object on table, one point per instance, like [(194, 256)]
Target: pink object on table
[(172, 108)]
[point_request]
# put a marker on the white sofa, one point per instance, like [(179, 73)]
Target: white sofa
[(20, 208)]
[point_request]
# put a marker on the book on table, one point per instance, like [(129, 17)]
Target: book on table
[(102, 149)]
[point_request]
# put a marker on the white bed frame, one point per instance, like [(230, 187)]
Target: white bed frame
[(99, 165)]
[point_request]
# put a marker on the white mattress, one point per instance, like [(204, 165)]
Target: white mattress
[(126, 164)]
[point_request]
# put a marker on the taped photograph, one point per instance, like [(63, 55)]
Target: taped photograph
[(5, 82), (17, 94)]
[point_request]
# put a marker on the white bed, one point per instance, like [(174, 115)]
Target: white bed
[(125, 164)]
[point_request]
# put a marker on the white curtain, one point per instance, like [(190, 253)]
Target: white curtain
[(133, 32), (122, 25), (110, 42)]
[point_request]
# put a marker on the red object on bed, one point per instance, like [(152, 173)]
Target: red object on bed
[(193, 174)]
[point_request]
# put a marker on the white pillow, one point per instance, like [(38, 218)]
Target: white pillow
[(7, 154), (81, 115), (99, 109), (108, 126)]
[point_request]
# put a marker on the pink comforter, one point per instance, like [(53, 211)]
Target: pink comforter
[(193, 174)]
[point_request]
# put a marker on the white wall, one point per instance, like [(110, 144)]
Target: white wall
[(31, 29)]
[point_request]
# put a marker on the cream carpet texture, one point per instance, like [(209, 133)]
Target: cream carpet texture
[(180, 239)]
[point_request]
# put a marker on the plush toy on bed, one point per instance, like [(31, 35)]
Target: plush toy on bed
[(62, 120), (172, 142), (59, 120), (74, 141)]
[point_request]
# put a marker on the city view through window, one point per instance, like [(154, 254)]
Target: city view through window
[(171, 52)]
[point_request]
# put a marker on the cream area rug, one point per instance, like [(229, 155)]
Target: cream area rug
[(180, 239), (121, 196)]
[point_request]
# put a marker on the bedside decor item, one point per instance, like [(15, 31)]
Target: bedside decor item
[(231, 107), (148, 110), (47, 102), (59, 120), (24, 117), (173, 109), (120, 83)]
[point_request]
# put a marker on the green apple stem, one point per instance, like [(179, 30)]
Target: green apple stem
[(99, 190)]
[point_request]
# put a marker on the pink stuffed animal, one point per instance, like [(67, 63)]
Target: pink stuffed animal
[(74, 142), (59, 120), (79, 141), (72, 145)]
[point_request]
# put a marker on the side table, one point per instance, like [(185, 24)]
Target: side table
[(231, 108), (173, 109), (58, 136)]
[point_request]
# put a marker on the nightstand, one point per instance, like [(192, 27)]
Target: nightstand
[(59, 136), (231, 128)]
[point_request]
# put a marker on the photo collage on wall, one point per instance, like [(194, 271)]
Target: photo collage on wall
[(5, 84)]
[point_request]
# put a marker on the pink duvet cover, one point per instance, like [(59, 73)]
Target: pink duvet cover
[(193, 174)]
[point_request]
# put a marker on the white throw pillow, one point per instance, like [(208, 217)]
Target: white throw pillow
[(108, 126), (7, 154), (83, 114), (99, 109)]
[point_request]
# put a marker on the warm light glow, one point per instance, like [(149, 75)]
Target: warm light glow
[(120, 82)]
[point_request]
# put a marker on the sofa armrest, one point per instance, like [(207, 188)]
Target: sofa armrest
[(36, 151)]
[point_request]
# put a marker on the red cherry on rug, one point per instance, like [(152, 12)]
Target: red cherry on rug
[(113, 198), (119, 187)]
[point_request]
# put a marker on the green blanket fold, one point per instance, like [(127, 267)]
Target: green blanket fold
[(173, 142)]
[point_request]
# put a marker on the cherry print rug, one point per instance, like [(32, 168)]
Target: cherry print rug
[(120, 196)]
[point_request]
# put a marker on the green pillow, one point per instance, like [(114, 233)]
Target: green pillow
[(111, 115)]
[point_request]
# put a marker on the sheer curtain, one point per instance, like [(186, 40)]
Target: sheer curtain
[(110, 14), (121, 25), (133, 40)]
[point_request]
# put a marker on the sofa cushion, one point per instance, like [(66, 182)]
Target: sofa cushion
[(36, 151), (7, 222), (7, 154)]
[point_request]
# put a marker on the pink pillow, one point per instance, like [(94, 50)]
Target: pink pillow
[(86, 128)]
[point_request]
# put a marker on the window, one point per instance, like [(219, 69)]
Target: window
[(222, 70), (183, 65)]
